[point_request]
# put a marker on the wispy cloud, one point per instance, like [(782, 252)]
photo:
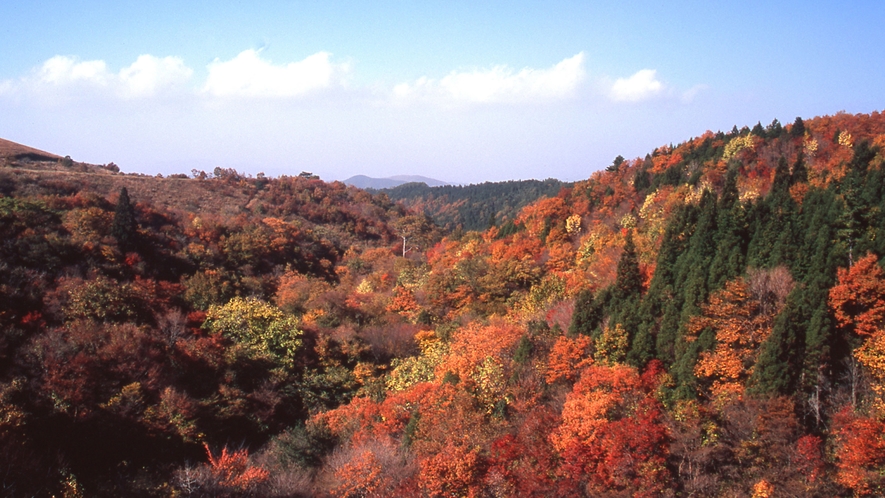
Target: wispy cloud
[(642, 85), (149, 74), (691, 93), (145, 77), (500, 84), (248, 75)]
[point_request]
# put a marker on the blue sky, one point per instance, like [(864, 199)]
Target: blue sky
[(460, 91)]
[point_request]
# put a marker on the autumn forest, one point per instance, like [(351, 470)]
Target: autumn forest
[(706, 320)]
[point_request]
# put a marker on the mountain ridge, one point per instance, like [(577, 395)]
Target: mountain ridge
[(363, 181)]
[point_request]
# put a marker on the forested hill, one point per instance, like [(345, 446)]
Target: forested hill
[(474, 207), (707, 320)]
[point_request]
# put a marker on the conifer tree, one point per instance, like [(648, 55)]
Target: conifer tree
[(731, 237), (800, 171), (125, 228), (774, 372), (629, 281), (798, 129), (662, 306), (587, 315), (695, 266)]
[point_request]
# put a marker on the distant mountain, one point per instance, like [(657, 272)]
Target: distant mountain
[(363, 181), (418, 179)]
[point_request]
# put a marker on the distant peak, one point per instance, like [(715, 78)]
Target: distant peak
[(363, 181)]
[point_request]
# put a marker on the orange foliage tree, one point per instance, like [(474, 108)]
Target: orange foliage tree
[(232, 472), (742, 315), (568, 357), (859, 453), (858, 299), (612, 434)]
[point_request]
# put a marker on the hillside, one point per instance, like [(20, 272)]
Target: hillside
[(11, 151), (706, 320), (474, 207)]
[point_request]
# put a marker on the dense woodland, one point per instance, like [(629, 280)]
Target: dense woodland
[(474, 207), (708, 320)]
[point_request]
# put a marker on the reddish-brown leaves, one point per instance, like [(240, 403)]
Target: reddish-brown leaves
[(858, 300)]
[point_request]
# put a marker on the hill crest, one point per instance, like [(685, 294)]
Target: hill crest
[(13, 150)]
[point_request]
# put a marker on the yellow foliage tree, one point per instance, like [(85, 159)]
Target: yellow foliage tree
[(872, 356), (262, 328), (611, 348), (406, 372)]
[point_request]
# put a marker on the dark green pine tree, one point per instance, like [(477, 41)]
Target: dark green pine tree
[(731, 237), (695, 266), (626, 303), (798, 129), (587, 315), (660, 291), (813, 357), (775, 372), (663, 304), (782, 178), (873, 195), (125, 228), (774, 238), (628, 283), (758, 130), (800, 171), (695, 263)]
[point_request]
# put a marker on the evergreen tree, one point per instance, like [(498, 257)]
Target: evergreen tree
[(587, 315), (800, 171), (774, 237), (758, 130), (782, 177), (660, 310), (629, 281), (731, 237), (125, 228), (775, 372), (798, 129), (775, 129), (694, 264)]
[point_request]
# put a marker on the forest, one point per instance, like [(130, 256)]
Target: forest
[(473, 207), (707, 320)]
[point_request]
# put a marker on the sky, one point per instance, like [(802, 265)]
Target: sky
[(463, 92)]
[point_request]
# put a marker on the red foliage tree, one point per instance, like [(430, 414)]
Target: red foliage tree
[(859, 453), (858, 299), (612, 434)]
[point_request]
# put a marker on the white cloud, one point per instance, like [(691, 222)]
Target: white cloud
[(640, 86), (148, 74), (62, 70), (145, 77), (249, 75), (501, 84)]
